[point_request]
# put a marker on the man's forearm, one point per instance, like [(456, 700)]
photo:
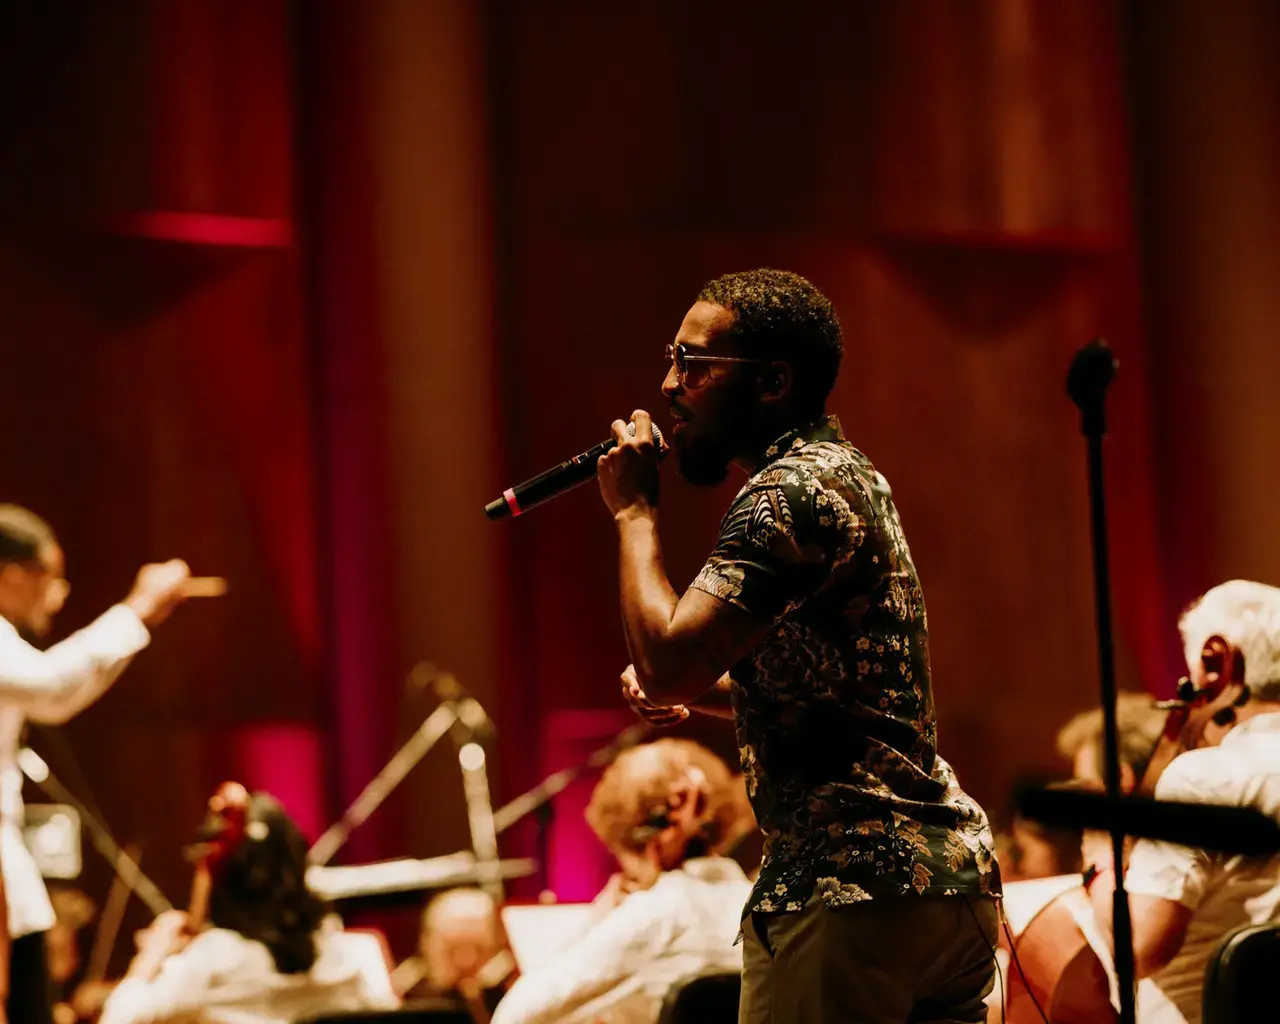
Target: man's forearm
[(717, 702), (679, 645), (648, 600), (1158, 934)]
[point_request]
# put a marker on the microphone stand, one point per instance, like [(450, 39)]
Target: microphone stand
[(543, 816), (484, 837), (1092, 371), (440, 721), (537, 801)]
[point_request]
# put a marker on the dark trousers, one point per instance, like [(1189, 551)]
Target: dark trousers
[(901, 960), (29, 1001)]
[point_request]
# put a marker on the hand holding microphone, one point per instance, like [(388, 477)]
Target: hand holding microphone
[(572, 472), (628, 473)]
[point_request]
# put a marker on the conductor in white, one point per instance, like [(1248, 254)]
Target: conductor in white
[(51, 686)]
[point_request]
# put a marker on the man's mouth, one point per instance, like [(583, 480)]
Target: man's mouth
[(679, 421)]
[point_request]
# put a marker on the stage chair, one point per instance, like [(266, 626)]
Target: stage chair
[(1240, 983), (702, 999)]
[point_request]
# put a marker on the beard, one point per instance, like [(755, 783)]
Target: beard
[(704, 461)]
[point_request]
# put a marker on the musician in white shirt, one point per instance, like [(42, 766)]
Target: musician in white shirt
[(271, 955), (51, 686), (1185, 901), (672, 912)]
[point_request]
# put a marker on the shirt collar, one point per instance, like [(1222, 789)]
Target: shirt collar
[(827, 428), (713, 869), (1258, 724)]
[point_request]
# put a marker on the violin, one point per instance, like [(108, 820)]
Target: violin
[(1056, 975), (1195, 708), (222, 832)]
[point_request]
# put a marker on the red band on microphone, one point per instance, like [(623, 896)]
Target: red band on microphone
[(512, 504)]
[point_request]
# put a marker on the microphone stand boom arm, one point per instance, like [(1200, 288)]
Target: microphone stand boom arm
[(525, 804), (428, 734)]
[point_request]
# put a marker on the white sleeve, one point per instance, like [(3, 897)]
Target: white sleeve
[(179, 988), (587, 978), (367, 952), (52, 686), (1166, 870)]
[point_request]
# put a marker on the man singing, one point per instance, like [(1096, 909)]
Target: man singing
[(51, 686), (874, 901)]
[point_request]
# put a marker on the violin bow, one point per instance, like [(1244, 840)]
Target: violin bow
[(139, 884), (112, 916)]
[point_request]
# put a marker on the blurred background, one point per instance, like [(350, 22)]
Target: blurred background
[(291, 290)]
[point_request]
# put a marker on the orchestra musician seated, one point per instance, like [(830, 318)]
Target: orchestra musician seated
[(673, 910), (74, 996), (1030, 849), (1053, 928), (1184, 901), (1138, 726), (462, 953), (270, 954)]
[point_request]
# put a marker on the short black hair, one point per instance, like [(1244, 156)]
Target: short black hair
[(22, 535), (261, 890), (780, 315)]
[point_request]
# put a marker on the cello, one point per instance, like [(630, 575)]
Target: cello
[(1056, 976)]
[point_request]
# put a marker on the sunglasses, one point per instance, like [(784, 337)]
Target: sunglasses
[(680, 358)]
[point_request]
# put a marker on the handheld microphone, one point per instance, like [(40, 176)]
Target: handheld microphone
[(564, 477)]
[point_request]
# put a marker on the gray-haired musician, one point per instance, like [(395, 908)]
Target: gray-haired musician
[(1184, 901)]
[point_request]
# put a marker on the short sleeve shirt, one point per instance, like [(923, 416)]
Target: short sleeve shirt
[(834, 709)]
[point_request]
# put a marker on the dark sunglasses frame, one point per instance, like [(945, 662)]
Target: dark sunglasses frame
[(679, 357)]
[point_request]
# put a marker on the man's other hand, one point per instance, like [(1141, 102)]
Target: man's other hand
[(655, 714)]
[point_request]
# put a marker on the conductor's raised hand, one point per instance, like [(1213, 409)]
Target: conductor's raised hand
[(158, 590), (628, 474)]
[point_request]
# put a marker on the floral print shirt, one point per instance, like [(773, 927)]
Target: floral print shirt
[(834, 711)]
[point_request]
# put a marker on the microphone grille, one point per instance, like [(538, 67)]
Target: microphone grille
[(657, 434)]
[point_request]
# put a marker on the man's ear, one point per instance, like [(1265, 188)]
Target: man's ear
[(1223, 663), (687, 802), (776, 381)]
